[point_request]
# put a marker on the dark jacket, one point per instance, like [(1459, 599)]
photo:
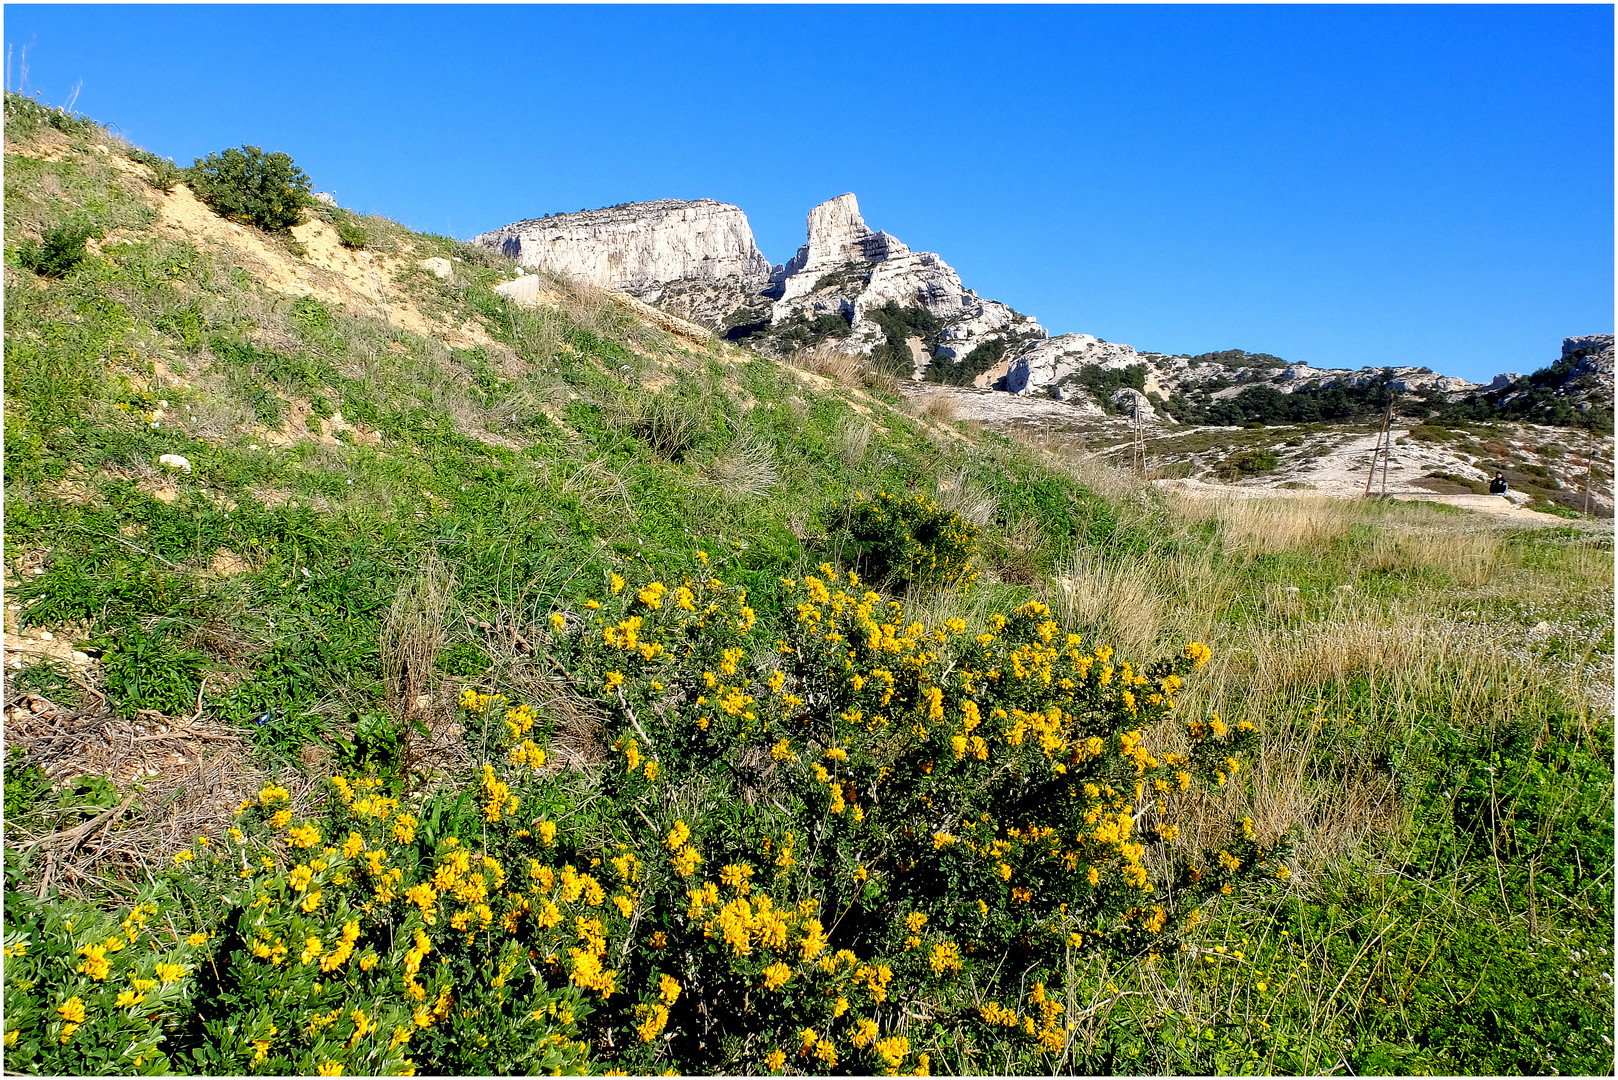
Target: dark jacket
[(1497, 486)]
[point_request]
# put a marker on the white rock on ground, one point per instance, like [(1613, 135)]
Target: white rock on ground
[(175, 461)]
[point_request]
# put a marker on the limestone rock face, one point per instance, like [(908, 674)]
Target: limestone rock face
[(1054, 364), (845, 268), (1586, 343), (641, 248)]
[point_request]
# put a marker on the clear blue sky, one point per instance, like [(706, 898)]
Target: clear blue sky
[(1338, 185)]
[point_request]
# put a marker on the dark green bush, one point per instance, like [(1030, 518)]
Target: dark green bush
[(351, 234), (912, 538), (1246, 463), (165, 174), (247, 185), (58, 251)]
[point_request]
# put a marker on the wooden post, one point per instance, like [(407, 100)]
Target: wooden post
[(1138, 450), (1589, 448), (1384, 447)]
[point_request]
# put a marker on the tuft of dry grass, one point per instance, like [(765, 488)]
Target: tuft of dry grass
[(935, 406), (1111, 600), (1257, 526), (1471, 556), (844, 369), (745, 468), (412, 634), (955, 492), (854, 441)]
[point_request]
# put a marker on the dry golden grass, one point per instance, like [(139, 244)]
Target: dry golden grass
[(745, 468), (1116, 601), (844, 369), (955, 492), (1469, 555), (1256, 526), (412, 633), (854, 441), (935, 406)]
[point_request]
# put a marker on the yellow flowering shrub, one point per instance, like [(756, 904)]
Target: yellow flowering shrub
[(814, 849)]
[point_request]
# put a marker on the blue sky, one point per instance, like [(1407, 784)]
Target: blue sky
[(1338, 185)]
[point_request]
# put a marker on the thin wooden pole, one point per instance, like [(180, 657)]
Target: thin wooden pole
[(1589, 448), (1382, 437)]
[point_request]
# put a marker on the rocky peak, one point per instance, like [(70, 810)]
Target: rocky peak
[(896, 302)]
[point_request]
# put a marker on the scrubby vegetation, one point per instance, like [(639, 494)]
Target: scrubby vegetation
[(247, 185), (563, 750)]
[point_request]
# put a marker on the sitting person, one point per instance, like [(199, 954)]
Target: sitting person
[(1497, 486)]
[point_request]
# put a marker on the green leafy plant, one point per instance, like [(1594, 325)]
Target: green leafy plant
[(58, 250), (26, 783), (811, 853), (247, 185), (164, 173), (149, 669), (1246, 463)]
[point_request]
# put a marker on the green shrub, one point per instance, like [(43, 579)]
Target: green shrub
[(911, 539), (351, 234), (25, 783), (247, 185), (25, 115), (1246, 463), (57, 251), (165, 174)]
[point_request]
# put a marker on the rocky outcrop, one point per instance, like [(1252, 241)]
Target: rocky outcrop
[(699, 250), (847, 269)]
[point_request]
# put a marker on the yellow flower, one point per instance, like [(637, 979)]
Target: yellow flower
[(776, 975), (686, 860), (558, 620), (329, 1068), (773, 1061), (183, 857), (95, 962), (197, 939), (668, 988), (614, 680), (72, 1010), (678, 835), (303, 836), (617, 584), (169, 973)]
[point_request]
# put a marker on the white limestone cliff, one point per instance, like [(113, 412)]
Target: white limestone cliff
[(639, 248)]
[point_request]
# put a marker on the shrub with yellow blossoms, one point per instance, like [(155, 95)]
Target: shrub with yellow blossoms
[(800, 840), (888, 814)]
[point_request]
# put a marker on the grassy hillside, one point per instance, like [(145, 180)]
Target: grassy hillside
[(405, 491)]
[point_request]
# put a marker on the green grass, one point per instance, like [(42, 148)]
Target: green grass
[(1414, 936)]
